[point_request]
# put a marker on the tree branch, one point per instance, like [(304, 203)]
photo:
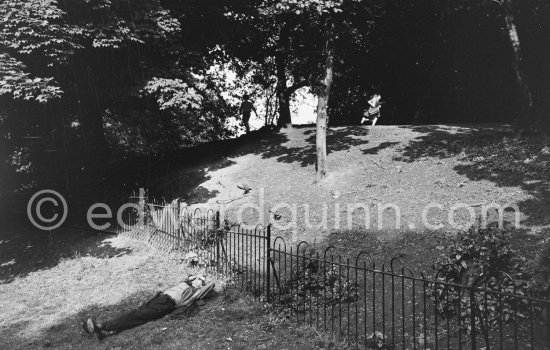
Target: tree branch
[(292, 89)]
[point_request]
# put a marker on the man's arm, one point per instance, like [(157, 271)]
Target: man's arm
[(195, 294)]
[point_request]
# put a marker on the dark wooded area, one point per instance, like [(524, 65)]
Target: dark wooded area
[(86, 83)]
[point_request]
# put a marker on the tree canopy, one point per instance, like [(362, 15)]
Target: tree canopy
[(92, 82)]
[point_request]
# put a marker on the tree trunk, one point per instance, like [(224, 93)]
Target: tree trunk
[(267, 101), (526, 101), (324, 94), (280, 62), (91, 111), (93, 131), (284, 110)]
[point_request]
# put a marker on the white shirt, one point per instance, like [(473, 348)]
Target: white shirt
[(180, 292)]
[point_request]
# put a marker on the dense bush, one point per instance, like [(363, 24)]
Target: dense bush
[(312, 280), (483, 262)]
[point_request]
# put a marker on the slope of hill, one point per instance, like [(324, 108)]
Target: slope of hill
[(410, 170)]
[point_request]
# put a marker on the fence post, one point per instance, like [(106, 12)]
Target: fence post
[(473, 310), (217, 236), (268, 264), (142, 205), (178, 223)]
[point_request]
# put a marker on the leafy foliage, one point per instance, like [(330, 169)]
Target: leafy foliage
[(173, 94), (316, 7), (378, 340), (480, 253), (525, 157), (19, 84), (312, 278), (482, 259), (115, 79), (38, 28)]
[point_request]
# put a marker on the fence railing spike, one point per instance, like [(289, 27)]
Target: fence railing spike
[(259, 228), (277, 239), (402, 264), (327, 249), (299, 245), (363, 253), (507, 276)]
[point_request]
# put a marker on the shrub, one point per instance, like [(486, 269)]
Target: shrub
[(378, 340), (483, 261), (313, 279)]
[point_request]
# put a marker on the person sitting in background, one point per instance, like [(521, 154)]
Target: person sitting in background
[(179, 297), (373, 113)]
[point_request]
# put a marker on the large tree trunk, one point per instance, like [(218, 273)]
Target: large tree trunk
[(324, 94), (284, 110), (96, 150), (526, 101), (280, 61), (91, 113)]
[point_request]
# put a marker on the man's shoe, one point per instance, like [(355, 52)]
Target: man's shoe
[(84, 325), (93, 328)]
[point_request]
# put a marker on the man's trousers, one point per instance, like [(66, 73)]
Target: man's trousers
[(154, 309)]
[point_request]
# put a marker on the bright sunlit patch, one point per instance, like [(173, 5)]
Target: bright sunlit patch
[(304, 107), (8, 263)]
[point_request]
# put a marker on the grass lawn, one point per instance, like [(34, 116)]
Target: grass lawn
[(49, 282), (41, 307)]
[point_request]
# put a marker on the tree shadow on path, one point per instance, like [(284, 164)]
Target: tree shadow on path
[(182, 174), (338, 139), (383, 145)]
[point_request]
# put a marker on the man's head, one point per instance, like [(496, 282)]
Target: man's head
[(196, 280), (246, 97)]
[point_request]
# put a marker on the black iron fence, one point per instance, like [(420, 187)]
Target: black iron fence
[(369, 305)]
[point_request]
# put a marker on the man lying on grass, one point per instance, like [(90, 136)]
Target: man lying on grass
[(179, 297)]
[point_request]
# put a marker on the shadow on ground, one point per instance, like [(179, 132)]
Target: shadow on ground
[(491, 154), (338, 139), (183, 173), (383, 145), (226, 320), (443, 142), (417, 250), (24, 249)]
